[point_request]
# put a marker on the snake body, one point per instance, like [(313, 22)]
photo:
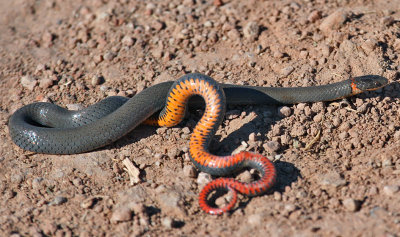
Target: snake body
[(48, 128)]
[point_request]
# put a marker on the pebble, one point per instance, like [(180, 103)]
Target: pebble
[(97, 80), (47, 38), (98, 58), (301, 194), (286, 71), (157, 25), (351, 205), (334, 21), (284, 111), (369, 45), (251, 30), (87, 203), (218, 3), (45, 83), (332, 179), (245, 177), (58, 201), (387, 162), (387, 20), (169, 202), (314, 16), (252, 137), (290, 207), (318, 118), (277, 196), (190, 171), (28, 82), (127, 40), (396, 135), (391, 190), (203, 179), (303, 54), (233, 34), (121, 214), (109, 56), (167, 222), (271, 146)]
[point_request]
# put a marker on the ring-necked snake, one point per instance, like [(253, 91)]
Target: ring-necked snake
[(48, 128)]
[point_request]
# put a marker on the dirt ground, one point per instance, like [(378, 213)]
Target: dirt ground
[(75, 53)]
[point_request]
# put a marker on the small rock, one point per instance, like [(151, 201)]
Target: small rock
[(157, 25), (301, 194), (58, 201), (77, 182), (223, 200), (203, 179), (245, 177), (98, 58), (167, 222), (387, 162), (278, 54), (208, 24), (314, 16), (396, 135), (277, 196), (251, 30), (127, 40), (286, 71), (334, 21), (252, 137), (284, 111), (351, 205), (332, 179), (318, 117), (290, 207), (40, 68), (87, 203), (97, 80), (218, 3), (47, 38), (391, 190), (272, 146), (369, 45), (28, 82), (233, 34), (121, 214), (190, 171), (387, 20), (170, 202), (303, 54), (109, 56), (45, 83)]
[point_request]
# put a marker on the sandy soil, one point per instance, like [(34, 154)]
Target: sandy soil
[(75, 53)]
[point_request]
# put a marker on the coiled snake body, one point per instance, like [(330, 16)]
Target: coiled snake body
[(48, 128)]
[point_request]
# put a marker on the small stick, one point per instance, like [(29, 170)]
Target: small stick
[(132, 170)]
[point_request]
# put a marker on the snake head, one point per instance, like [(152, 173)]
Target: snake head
[(368, 83)]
